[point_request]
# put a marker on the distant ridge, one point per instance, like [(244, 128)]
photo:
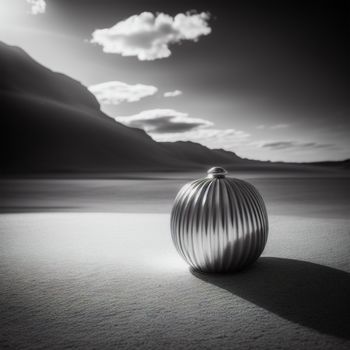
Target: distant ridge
[(197, 153), (52, 124)]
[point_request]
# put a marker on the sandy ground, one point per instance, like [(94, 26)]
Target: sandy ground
[(114, 281), (307, 195)]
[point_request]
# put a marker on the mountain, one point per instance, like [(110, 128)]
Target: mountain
[(196, 153), (52, 124), (22, 76)]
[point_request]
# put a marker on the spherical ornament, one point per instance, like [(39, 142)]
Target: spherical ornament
[(219, 223)]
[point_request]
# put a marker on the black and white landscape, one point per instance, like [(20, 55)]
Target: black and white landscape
[(108, 108)]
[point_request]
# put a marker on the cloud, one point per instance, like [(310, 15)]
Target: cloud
[(148, 36), (172, 93), (37, 6), (205, 135), (279, 126), (116, 92), (229, 139), (273, 127), (168, 125), (161, 121), (279, 145)]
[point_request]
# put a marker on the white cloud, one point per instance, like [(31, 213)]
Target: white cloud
[(284, 145), (279, 126), (170, 125), (172, 93), (273, 127), (163, 121), (37, 6), (229, 139), (148, 36), (116, 92)]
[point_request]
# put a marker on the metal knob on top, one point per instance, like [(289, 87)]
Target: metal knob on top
[(217, 172)]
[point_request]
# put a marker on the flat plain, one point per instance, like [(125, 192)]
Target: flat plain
[(89, 264)]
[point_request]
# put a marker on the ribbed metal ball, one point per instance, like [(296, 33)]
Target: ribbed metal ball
[(219, 223)]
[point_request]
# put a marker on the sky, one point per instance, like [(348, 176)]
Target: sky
[(268, 80)]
